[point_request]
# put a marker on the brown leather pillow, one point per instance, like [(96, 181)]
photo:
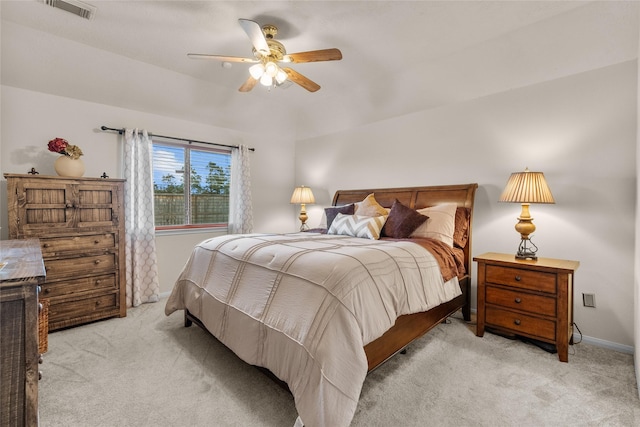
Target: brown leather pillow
[(402, 221)]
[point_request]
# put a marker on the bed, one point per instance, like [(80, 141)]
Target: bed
[(321, 310)]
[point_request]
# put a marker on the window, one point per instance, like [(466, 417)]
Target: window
[(199, 198)]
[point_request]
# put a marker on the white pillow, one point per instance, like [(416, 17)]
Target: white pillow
[(441, 223), (367, 227)]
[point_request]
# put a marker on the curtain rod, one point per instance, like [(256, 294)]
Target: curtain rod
[(121, 131)]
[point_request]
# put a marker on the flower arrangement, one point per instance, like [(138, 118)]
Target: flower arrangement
[(62, 146)]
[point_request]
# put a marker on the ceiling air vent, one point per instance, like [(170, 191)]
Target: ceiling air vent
[(76, 7)]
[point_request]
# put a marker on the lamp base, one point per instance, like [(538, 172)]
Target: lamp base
[(525, 251)]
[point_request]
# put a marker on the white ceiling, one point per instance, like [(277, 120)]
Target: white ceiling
[(387, 46)]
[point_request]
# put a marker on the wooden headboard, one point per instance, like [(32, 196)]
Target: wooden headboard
[(417, 198)]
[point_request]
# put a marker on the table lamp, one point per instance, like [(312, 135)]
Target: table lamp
[(301, 196), (526, 187)]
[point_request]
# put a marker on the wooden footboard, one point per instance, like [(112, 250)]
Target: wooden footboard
[(407, 329)]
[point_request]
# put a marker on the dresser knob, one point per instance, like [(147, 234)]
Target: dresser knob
[(96, 262), (97, 303), (518, 278), (47, 290), (46, 245), (517, 322), (40, 307), (39, 375), (98, 282), (40, 359), (518, 300), (96, 241), (69, 205)]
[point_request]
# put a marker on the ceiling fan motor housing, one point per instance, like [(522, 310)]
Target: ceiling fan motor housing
[(277, 50)]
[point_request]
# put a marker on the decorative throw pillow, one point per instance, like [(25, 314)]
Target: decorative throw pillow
[(402, 221), (367, 227), (370, 207), (461, 232), (335, 210), (440, 225)]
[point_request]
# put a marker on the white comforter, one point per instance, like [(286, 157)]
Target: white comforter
[(304, 305)]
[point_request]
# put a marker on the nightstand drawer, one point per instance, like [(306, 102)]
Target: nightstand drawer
[(535, 304), (521, 278), (521, 323)]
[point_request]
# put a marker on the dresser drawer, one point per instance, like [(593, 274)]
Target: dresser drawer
[(72, 267), (82, 307), (86, 243), (521, 278), (521, 323), (74, 286), (535, 304)]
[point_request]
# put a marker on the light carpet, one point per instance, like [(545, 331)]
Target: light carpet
[(149, 370)]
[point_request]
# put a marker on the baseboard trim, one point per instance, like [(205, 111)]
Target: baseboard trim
[(603, 343)]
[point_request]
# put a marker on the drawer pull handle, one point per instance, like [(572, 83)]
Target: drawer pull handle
[(96, 262), (40, 307), (517, 322), (97, 303), (98, 282), (46, 245), (69, 205), (47, 290), (518, 278), (39, 288), (518, 300), (96, 241)]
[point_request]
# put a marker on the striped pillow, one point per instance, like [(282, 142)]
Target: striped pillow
[(367, 227)]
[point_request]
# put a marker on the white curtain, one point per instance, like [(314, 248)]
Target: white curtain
[(240, 207), (141, 268)]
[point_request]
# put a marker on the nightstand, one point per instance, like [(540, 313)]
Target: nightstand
[(528, 298)]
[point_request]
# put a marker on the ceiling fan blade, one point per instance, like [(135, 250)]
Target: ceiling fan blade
[(301, 80), (221, 58), (248, 85), (254, 31), (314, 56)]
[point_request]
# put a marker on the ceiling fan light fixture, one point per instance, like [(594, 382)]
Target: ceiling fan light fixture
[(256, 71), (266, 80), (271, 69), (281, 76)]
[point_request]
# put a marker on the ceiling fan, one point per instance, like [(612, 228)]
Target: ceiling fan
[(268, 54)]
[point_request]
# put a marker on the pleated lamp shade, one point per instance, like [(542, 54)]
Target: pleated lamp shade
[(527, 187), (302, 195)]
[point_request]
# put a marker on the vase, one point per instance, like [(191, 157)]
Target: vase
[(66, 166)]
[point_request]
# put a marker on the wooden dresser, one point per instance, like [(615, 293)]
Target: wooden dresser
[(21, 272), (80, 224), (529, 298)]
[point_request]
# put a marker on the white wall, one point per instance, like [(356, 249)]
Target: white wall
[(579, 130), (30, 119), (636, 299)]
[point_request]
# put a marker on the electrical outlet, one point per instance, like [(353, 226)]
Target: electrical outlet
[(589, 300)]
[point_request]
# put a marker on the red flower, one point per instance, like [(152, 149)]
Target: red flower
[(62, 146), (57, 145)]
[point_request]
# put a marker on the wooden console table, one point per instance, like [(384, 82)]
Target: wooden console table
[(21, 273)]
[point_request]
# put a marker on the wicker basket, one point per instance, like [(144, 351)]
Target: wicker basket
[(43, 326)]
